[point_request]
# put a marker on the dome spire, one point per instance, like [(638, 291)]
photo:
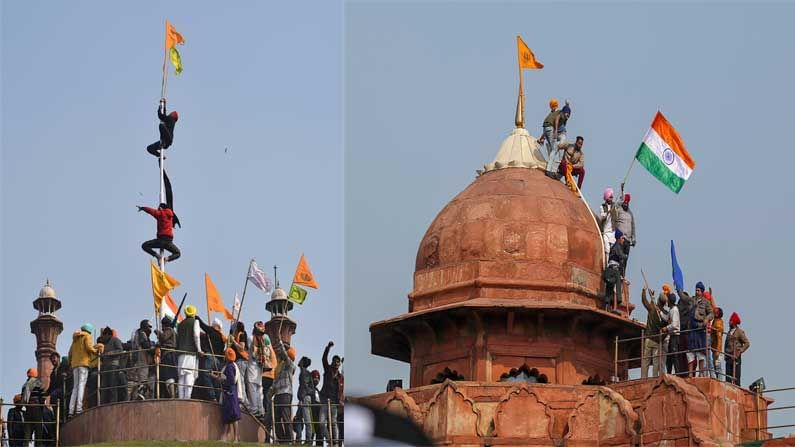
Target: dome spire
[(519, 118)]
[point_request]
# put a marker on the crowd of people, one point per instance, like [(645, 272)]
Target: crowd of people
[(685, 335), (188, 359)]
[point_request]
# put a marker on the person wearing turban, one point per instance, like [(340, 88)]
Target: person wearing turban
[(612, 273), (675, 360), (231, 396), (625, 221), (188, 350), (15, 423), (282, 390), (554, 133), (607, 220), (736, 344)]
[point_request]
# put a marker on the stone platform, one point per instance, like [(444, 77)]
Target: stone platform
[(155, 420), (663, 411)]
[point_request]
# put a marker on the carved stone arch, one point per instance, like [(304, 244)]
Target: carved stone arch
[(521, 413), (673, 404), (402, 404), (601, 416), (451, 413)]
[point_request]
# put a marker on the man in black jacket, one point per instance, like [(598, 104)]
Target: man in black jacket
[(330, 393), (15, 421), (114, 382), (166, 127), (213, 345)]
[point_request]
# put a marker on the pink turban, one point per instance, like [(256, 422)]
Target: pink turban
[(608, 193)]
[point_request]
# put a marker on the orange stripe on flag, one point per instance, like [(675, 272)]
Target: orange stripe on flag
[(667, 132)]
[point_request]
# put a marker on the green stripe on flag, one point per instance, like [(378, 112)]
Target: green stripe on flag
[(297, 294), (649, 160)]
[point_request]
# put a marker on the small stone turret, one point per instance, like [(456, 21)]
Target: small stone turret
[(280, 323), (46, 327)]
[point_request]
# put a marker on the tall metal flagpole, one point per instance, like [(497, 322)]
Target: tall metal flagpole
[(161, 261)]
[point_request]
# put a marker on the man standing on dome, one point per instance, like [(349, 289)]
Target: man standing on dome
[(607, 219), (551, 131), (188, 347), (625, 221), (165, 232), (612, 273)]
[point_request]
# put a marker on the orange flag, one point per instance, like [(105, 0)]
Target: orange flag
[(526, 57), (172, 36), (214, 302), (303, 275)]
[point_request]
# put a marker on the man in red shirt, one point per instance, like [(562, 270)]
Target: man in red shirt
[(165, 232)]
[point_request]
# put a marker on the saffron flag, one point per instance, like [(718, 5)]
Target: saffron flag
[(297, 294), (172, 36), (679, 280), (162, 283), (258, 277), (303, 275), (214, 302), (663, 153), (176, 60), (526, 57)]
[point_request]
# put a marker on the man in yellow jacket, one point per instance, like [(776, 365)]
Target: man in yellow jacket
[(81, 354)]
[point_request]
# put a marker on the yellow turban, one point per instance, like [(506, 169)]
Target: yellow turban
[(190, 310)]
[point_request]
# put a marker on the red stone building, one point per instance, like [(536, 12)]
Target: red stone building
[(505, 325)]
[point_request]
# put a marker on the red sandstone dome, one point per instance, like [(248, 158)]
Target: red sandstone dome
[(512, 233)]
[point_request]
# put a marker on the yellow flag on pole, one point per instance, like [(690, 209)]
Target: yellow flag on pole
[(526, 57), (162, 283), (214, 302), (303, 275)]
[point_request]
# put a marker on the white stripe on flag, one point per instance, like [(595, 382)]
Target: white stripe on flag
[(664, 152)]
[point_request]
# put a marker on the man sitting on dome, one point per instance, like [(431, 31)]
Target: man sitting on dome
[(612, 273), (574, 158)]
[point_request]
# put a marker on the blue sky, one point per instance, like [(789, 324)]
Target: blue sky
[(80, 86), (430, 95)]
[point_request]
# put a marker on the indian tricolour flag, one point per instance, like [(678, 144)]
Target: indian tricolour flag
[(664, 155)]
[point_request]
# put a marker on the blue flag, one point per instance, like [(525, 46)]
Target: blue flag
[(679, 281)]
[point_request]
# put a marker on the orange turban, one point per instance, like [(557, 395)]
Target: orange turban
[(553, 103), (230, 355), (291, 353), (33, 372), (666, 288)]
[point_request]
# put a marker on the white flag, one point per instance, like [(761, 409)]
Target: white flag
[(259, 278), (236, 306)]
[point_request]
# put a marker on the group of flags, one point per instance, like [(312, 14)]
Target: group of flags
[(174, 38), (662, 151), (163, 283)]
